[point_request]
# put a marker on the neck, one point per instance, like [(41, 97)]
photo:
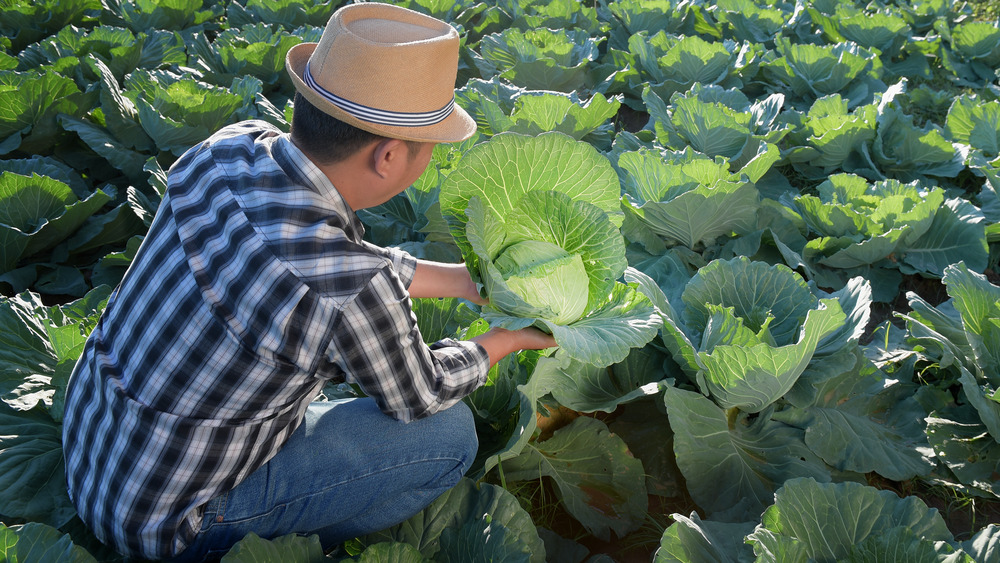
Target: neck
[(353, 178)]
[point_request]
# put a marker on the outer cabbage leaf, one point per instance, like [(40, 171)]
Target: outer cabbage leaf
[(32, 470), (902, 544), (693, 540), (826, 521), (856, 300), (731, 462), (957, 234), (978, 302), (600, 484), (391, 552), (291, 548), (862, 421), (35, 541), (984, 397), (938, 332), (460, 509), (588, 388), (984, 544), (962, 443)]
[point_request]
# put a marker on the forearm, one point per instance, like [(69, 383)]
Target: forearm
[(439, 279)]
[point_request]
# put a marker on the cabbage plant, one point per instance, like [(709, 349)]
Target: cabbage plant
[(670, 63), (960, 338), (537, 220), (747, 330), (717, 122), (830, 138), (781, 389), (814, 71), (746, 20), (629, 17), (688, 198), (974, 55), (498, 107), (976, 123), (540, 59), (882, 229)]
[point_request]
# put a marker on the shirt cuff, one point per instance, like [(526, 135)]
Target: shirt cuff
[(473, 355)]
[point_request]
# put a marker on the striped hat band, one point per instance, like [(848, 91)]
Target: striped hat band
[(380, 116)]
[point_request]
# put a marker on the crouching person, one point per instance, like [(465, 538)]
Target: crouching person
[(189, 416)]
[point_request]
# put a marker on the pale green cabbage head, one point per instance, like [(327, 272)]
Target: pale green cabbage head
[(546, 276)]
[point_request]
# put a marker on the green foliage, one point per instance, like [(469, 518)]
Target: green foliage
[(718, 169)]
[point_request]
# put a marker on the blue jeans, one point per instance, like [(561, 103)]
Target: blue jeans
[(348, 470)]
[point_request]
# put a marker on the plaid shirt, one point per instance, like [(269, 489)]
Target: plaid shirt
[(252, 288)]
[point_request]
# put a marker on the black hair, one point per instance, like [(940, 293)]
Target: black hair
[(328, 139)]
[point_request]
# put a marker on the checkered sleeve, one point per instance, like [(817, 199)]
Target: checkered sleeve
[(378, 345)]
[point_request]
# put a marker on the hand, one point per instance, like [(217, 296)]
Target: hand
[(499, 342), (534, 339)]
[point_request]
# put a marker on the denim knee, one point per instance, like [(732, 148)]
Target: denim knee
[(456, 431)]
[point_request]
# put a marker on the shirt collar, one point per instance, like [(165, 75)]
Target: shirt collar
[(317, 181)]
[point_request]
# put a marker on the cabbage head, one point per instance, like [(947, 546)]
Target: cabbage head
[(538, 222), (546, 276)]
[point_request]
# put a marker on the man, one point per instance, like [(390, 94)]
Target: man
[(188, 418)]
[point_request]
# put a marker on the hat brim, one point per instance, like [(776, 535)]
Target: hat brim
[(458, 126)]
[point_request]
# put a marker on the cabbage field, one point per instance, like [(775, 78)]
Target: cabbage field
[(763, 232)]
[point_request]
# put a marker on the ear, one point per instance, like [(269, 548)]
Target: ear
[(388, 155)]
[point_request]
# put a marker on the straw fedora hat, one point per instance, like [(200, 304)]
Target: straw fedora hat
[(385, 69)]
